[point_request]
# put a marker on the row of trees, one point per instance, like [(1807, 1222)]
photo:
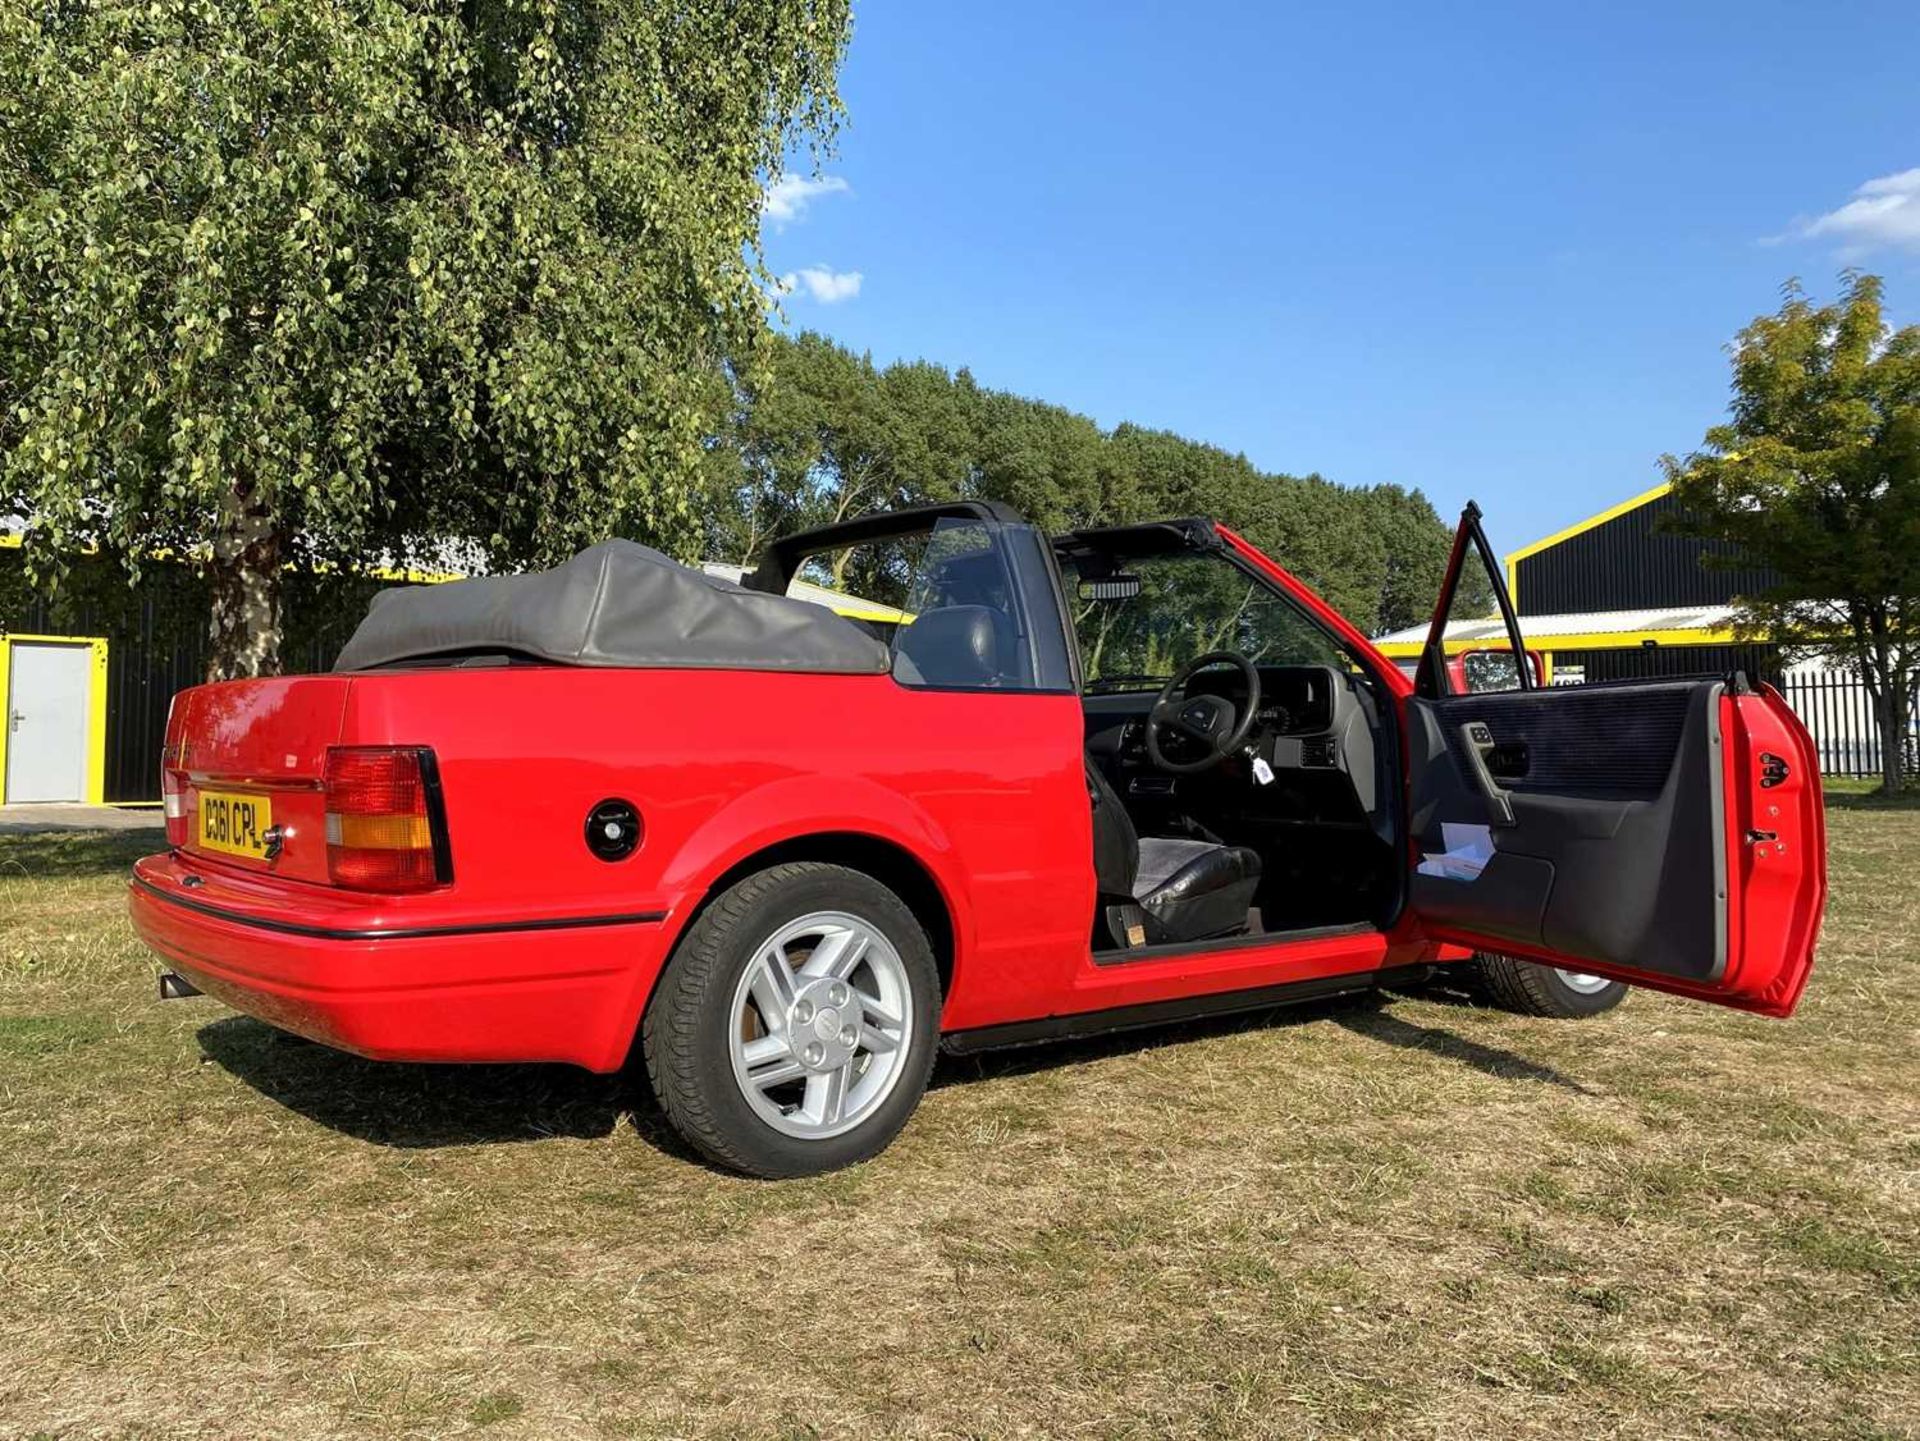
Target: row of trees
[(822, 434)]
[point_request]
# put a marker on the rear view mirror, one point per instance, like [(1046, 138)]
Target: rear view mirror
[(1112, 587)]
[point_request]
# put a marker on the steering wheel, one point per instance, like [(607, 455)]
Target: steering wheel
[(1209, 719)]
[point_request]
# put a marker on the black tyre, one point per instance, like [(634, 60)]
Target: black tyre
[(795, 1026), (1533, 990)]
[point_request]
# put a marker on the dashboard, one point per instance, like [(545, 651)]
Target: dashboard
[(1295, 700), (1311, 718)]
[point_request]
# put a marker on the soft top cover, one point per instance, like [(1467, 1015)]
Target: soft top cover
[(614, 604)]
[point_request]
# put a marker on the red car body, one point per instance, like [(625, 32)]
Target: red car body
[(972, 805)]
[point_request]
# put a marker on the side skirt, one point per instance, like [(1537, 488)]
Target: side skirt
[(1128, 957), (1160, 1013)]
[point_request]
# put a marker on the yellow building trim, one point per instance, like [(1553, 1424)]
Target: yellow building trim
[(1579, 640), (387, 572), (884, 614), (97, 724), (1578, 528), (96, 782)]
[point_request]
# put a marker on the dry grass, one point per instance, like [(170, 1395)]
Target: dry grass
[(1410, 1219)]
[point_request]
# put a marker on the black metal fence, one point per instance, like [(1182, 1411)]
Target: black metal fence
[(1837, 708)]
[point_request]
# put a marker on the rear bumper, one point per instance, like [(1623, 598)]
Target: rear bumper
[(571, 992)]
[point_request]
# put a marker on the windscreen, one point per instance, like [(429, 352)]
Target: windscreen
[(1185, 605)]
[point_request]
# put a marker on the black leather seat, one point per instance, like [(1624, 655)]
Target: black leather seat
[(1182, 890)]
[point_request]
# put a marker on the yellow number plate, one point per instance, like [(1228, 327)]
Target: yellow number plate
[(235, 824)]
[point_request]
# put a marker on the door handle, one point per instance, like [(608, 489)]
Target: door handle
[(1480, 744), (14, 718)]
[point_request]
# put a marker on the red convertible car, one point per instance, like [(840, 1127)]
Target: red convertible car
[(1039, 787)]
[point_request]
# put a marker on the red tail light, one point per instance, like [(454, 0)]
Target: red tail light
[(385, 830), (173, 797)]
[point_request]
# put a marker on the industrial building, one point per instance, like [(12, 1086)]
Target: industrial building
[(1619, 596)]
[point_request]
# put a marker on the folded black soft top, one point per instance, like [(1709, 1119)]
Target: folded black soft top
[(614, 604)]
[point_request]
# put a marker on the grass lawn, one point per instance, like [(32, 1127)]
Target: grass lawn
[(1412, 1218)]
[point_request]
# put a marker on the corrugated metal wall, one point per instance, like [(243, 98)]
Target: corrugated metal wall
[(1659, 662), (145, 667), (1627, 563)]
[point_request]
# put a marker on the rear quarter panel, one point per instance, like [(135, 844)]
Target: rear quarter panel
[(984, 789)]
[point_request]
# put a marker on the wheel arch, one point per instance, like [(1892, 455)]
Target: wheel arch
[(883, 858), (886, 861)]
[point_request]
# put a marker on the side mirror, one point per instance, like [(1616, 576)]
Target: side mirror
[(1112, 587), (1493, 670)]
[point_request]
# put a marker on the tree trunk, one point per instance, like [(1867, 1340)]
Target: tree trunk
[(1894, 725), (245, 570), (752, 545), (842, 507), (1889, 728), (1886, 684)]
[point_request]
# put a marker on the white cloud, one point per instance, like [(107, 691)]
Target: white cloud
[(1883, 212), (787, 199), (829, 287)]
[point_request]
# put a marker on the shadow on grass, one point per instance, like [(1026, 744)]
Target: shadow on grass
[(1380, 1025), (391, 1103), (407, 1106), (76, 853), (1364, 1015), (1051, 1055)]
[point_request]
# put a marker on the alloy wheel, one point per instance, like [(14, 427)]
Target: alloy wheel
[(820, 1024)]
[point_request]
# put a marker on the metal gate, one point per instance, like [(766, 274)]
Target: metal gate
[(1837, 708)]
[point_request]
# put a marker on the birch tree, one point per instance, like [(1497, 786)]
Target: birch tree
[(318, 283)]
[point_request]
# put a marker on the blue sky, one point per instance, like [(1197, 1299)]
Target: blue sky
[(1492, 251)]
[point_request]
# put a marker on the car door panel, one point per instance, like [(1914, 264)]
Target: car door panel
[(1613, 856), (1666, 833)]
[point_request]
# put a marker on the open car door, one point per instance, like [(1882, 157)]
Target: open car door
[(1666, 833)]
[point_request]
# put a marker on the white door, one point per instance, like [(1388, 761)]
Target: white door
[(47, 722)]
